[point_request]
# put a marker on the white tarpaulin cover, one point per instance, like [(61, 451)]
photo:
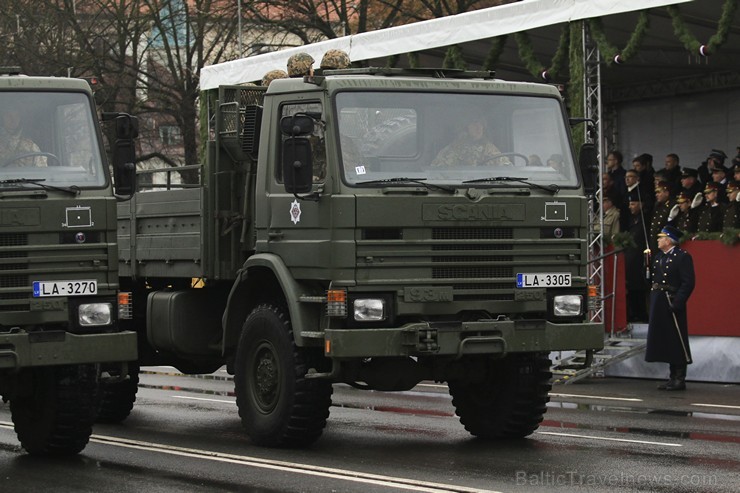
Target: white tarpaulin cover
[(434, 33)]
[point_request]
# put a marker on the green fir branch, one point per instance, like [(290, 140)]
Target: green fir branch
[(723, 26), (561, 54), (494, 53), (526, 53)]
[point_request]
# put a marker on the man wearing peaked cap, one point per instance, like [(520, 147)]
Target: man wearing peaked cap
[(719, 176), (690, 181), (682, 216), (716, 157), (663, 205), (672, 283), (731, 217), (709, 218)]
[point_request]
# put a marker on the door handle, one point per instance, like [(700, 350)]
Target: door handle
[(274, 235)]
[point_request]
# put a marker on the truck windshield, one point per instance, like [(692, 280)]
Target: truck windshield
[(453, 139), (49, 137)]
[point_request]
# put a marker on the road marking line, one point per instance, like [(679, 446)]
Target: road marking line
[(307, 469), (627, 399), (608, 439), (715, 405), (201, 399)]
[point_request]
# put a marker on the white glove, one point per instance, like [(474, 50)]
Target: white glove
[(674, 212), (737, 198), (698, 199)]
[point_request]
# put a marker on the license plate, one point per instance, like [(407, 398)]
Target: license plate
[(550, 280), (43, 289)]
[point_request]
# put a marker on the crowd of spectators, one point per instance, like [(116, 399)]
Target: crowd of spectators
[(642, 200)]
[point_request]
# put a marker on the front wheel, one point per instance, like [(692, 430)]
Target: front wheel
[(54, 410), (278, 406), (509, 401), (117, 399)]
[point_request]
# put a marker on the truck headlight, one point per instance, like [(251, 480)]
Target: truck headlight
[(95, 314), (567, 305), (369, 309)]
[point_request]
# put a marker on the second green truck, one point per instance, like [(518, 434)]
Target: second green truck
[(327, 243)]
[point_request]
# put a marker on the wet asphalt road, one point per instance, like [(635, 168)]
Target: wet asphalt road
[(184, 435)]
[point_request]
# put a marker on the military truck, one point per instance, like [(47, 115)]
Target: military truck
[(327, 243), (58, 260)]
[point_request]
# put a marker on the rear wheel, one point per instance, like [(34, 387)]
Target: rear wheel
[(54, 413), (509, 402), (117, 399), (278, 406)]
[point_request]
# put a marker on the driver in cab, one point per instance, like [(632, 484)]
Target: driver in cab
[(471, 147), (14, 145)]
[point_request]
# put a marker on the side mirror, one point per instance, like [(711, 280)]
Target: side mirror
[(589, 164), (296, 125), (297, 165), (124, 154)]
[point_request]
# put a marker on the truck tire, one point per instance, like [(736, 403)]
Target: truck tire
[(56, 416), (509, 402), (117, 399), (278, 406)]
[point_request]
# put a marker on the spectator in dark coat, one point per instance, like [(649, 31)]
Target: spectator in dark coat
[(635, 267)]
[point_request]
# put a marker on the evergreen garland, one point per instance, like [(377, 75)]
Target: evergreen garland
[(453, 58), (575, 99), (730, 236), (682, 32), (558, 60), (413, 59), (723, 26), (718, 39), (610, 52), (497, 47), (526, 53)]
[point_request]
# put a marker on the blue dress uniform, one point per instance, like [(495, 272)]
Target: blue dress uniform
[(673, 282)]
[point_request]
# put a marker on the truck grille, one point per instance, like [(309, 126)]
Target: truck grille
[(25, 258), (480, 264)]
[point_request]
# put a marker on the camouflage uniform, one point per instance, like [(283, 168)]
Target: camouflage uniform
[(464, 151), (334, 59), (272, 75), (299, 65), (17, 145)]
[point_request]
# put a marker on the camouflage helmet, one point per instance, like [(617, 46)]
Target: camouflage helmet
[(272, 75), (300, 64), (335, 59)]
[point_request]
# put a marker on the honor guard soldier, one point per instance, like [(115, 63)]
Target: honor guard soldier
[(668, 334)]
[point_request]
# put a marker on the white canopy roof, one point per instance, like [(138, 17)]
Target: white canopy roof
[(434, 33)]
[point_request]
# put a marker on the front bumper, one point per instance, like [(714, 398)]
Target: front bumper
[(28, 349), (459, 339)]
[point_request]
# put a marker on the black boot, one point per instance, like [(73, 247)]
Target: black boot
[(678, 382), (664, 386)]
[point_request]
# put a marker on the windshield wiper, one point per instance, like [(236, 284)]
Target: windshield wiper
[(74, 190), (418, 181), (550, 188)]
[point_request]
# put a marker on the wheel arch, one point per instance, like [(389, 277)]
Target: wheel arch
[(264, 278)]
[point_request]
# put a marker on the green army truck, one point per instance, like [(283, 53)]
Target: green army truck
[(58, 261), (327, 242)]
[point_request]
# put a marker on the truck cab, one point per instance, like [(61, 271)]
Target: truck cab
[(59, 276), (374, 227)]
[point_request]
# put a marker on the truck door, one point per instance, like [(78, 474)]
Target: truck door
[(299, 228)]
